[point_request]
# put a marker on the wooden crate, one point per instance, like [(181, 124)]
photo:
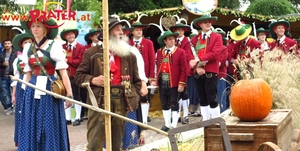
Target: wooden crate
[(247, 136)]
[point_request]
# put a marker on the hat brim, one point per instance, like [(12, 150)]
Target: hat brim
[(236, 37), (185, 27), (161, 39), (272, 27), (64, 32), (86, 36), (51, 32), (197, 20), (127, 30), (140, 26), (18, 40), (115, 23)]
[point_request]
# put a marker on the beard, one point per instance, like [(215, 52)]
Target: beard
[(119, 45)]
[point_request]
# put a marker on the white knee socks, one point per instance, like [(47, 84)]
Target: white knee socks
[(78, 111), (167, 117), (205, 112), (68, 113), (145, 111), (215, 112), (185, 107), (175, 116)]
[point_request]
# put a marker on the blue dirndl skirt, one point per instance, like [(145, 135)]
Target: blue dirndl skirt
[(131, 135), (43, 121), (18, 108)]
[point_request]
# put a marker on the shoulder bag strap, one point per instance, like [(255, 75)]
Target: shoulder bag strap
[(40, 64)]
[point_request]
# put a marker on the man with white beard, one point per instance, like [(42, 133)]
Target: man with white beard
[(123, 69)]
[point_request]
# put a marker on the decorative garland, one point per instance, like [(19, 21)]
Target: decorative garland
[(223, 11)]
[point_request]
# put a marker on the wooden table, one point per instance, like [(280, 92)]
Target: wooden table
[(247, 136)]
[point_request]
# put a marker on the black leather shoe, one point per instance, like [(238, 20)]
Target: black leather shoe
[(148, 119), (179, 119), (76, 122), (185, 120), (68, 122), (165, 128)]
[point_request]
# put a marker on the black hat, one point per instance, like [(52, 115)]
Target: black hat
[(113, 22)]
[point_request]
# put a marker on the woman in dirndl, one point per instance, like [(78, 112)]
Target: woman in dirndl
[(17, 92), (43, 122)]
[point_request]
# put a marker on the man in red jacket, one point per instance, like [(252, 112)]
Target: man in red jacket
[(146, 48), (279, 31), (245, 47), (183, 42), (74, 55), (171, 77), (208, 46)]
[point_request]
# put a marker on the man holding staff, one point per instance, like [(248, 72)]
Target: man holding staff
[(123, 69)]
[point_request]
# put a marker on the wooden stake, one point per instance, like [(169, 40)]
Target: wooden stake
[(106, 74)]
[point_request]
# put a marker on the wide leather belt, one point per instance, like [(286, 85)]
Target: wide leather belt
[(116, 91)]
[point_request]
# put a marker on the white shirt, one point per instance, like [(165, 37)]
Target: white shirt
[(139, 40), (140, 63), (95, 44), (171, 49), (281, 39), (73, 44)]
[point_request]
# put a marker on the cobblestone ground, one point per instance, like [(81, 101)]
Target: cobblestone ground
[(77, 134)]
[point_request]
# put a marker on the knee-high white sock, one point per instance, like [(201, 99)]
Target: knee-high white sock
[(68, 113), (145, 111), (175, 115), (205, 112), (78, 111), (180, 104), (185, 107), (215, 112), (167, 117)]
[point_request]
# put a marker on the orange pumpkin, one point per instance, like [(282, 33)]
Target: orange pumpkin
[(251, 100)]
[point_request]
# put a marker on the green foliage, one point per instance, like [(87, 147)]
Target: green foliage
[(8, 5), (230, 4), (271, 7), (129, 6), (95, 6)]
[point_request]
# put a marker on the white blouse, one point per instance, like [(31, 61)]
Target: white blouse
[(57, 54)]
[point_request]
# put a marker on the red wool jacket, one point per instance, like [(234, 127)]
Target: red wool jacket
[(213, 49), (75, 58), (147, 50), (185, 45), (177, 66), (222, 60)]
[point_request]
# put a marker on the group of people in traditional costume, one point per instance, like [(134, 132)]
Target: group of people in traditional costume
[(189, 72)]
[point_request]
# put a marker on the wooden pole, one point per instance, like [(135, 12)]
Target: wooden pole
[(106, 74)]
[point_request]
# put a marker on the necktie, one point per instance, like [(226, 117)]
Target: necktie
[(136, 43), (177, 42), (167, 51), (204, 37), (278, 42), (244, 43), (70, 47)]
